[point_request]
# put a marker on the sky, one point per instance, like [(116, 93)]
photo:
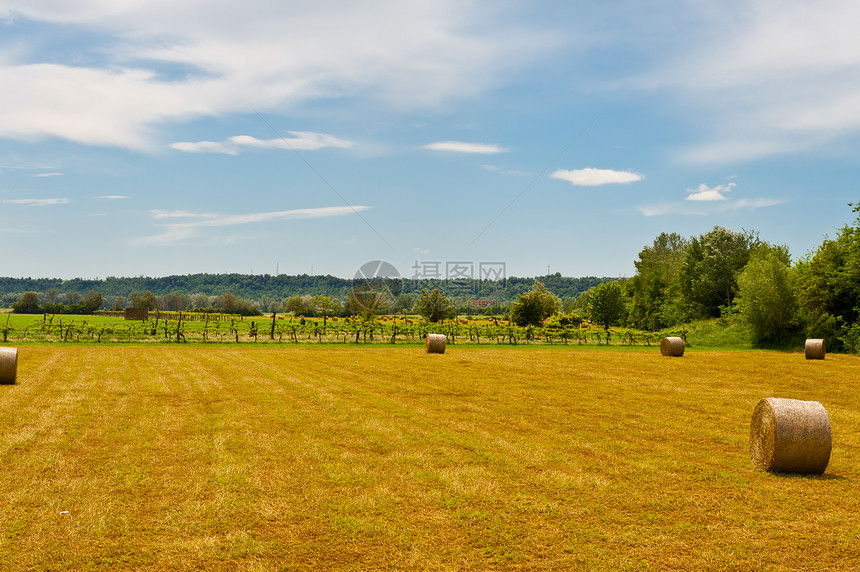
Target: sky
[(152, 138)]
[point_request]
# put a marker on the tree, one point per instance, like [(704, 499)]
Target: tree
[(433, 306), (829, 287), (299, 306), (146, 300), (324, 305), (92, 301), (708, 276), (533, 307), (766, 299), (177, 301), (27, 304), (606, 305), (654, 287)]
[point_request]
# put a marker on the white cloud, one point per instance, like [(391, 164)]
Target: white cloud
[(421, 250), (302, 141), (113, 197), (48, 175), (775, 78), (705, 193), (589, 177), (705, 208), (36, 202), (463, 147), (179, 231), (160, 62), (206, 147)]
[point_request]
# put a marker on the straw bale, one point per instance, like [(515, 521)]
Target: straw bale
[(790, 436), (435, 344), (815, 349), (673, 347), (8, 365), (136, 314)]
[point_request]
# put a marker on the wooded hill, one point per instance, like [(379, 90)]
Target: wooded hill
[(259, 286)]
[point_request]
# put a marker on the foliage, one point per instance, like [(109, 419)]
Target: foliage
[(766, 299), (27, 304), (299, 306), (606, 304), (433, 306), (708, 275), (654, 287), (531, 308), (829, 282), (143, 300)]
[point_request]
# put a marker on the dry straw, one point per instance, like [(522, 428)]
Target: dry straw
[(8, 365), (673, 347), (136, 314), (815, 349), (790, 436), (435, 344)]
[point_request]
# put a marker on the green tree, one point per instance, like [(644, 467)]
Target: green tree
[(92, 301), (325, 306), (766, 300), (606, 305), (708, 276), (299, 306), (28, 303), (145, 300), (433, 306), (654, 288), (533, 307), (829, 288), (177, 301)]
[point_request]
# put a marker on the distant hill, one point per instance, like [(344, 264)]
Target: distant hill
[(260, 286)]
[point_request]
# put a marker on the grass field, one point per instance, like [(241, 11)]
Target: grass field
[(375, 458)]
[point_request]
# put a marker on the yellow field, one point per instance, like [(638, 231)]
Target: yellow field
[(391, 459)]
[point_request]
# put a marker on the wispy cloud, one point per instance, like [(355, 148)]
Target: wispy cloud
[(771, 79), (301, 141), (495, 169), (705, 193), (705, 200), (249, 56), (48, 175), (179, 231), (113, 197), (590, 177), (463, 147), (36, 202), (421, 250)]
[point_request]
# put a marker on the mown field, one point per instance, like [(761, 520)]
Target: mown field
[(172, 457)]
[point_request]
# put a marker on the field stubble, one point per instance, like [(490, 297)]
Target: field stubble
[(380, 458)]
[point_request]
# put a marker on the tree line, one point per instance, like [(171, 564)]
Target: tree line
[(737, 276)]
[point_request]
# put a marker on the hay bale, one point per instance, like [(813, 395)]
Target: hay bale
[(136, 314), (435, 344), (815, 349), (790, 436), (673, 347), (8, 365)]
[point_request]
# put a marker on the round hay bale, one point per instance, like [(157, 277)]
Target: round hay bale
[(790, 436), (435, 344), (815, 349), (8, 365), (673, 347)]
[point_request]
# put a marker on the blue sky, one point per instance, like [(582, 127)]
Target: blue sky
[(156, 138)]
